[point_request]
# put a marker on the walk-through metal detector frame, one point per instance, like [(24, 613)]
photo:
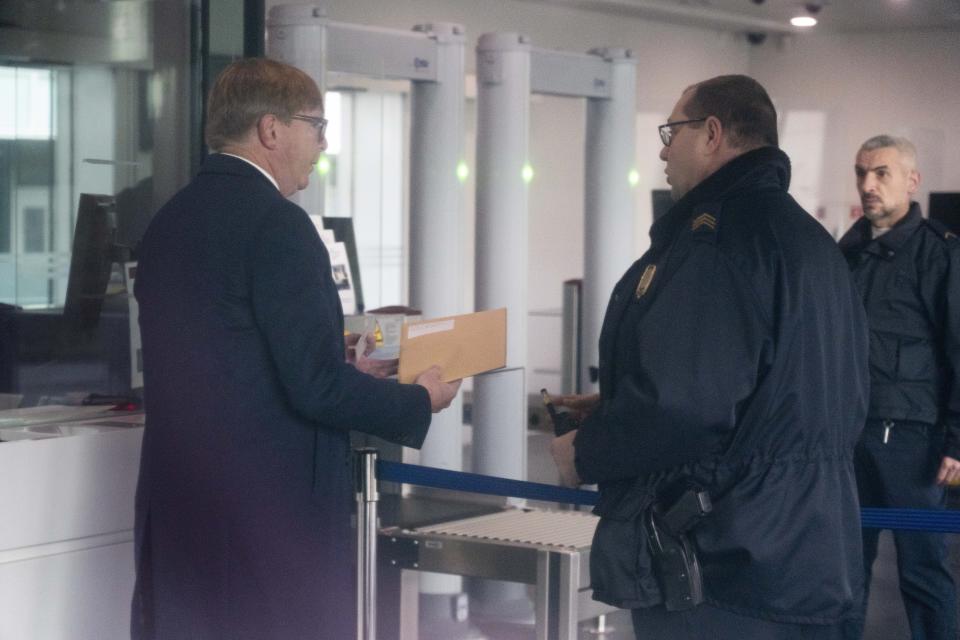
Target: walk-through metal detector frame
[(509, 71), (432, 57)]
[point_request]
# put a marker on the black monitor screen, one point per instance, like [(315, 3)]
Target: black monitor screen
[(91, 261), (945, 207), (662, 201)]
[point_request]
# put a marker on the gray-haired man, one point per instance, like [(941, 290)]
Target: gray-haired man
[(908, 270)]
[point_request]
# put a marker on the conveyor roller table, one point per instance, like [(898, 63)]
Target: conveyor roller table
[(547, 549)]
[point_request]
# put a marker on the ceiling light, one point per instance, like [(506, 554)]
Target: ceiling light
[(803, 21)]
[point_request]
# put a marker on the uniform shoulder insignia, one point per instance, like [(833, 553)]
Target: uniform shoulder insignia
[(941, 229), (704, 221)]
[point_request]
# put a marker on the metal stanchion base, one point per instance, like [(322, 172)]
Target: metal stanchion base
[(600, 628), (446, 617)]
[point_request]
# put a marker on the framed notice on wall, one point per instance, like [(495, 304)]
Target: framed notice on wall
[(344, 275), (343, 232)]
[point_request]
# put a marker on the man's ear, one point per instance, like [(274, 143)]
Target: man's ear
[(913, 181), (267, 131), (715, 133)]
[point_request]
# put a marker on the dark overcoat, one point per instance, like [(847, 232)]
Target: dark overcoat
[(733, 356), (910, 281), (244, 498)]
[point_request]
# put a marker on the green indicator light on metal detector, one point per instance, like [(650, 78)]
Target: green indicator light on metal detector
[(463, 171), (323, 165), (633, 177), (527, 173)]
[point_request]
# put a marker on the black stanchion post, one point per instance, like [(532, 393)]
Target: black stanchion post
[(367, 497)]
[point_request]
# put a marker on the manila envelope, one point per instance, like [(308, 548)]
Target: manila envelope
[(461, 345)]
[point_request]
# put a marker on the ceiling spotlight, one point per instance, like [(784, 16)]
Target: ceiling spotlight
[(812, 8)]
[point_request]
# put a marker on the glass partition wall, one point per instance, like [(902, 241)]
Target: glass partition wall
[(107, 98), (95, 98)]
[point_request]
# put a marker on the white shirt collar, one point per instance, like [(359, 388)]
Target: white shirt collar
[(254, 164)]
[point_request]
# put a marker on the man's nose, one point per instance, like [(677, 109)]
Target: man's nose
[(868, 183), (663, 152)]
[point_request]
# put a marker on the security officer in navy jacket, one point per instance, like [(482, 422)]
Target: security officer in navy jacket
[(733, 358), (908, 271), (244, 498)]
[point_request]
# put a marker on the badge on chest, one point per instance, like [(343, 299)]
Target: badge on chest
[(646, 280)]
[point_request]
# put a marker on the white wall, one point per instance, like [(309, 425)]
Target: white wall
[(905, 83)]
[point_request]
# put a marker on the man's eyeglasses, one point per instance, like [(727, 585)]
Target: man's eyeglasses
[(667, 130), (320, 124)]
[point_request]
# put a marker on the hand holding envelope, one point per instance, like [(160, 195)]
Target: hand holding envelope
[(359, 348), (360, 353), (441, 393)]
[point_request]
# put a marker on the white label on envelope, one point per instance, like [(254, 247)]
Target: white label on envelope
[(417, 330)]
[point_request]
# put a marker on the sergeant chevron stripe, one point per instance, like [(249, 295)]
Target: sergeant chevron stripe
[(704, 220)]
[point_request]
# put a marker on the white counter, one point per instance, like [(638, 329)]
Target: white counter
[(66, 530)]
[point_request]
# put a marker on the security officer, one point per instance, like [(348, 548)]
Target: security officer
[(908, 271), (733, 359)]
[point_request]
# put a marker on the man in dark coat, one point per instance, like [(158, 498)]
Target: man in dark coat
[(908, 270), (244, 499), (733, 360)]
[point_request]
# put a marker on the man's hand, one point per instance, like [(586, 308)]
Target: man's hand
[(441, 393), (377, 367), (580, 406), (359, 346), (563, 454), (949, 473), (350, 341)]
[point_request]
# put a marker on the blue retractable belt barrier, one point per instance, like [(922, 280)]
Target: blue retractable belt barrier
[(911, 519), (476, 483), (870, 518)]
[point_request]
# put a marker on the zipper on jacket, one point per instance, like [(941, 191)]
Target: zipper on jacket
[(887, 426)]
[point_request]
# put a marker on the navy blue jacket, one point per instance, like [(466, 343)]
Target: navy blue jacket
[(244, 498), (910, 281), (737, 363)]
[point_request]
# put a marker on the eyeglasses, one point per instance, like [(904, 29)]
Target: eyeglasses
[(667, 130), (320, 124)]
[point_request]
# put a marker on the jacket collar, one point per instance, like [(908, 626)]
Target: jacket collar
[(766, 167), (224, 164), (859, 237)]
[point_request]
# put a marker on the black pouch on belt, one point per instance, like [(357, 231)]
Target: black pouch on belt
[(674, 557)]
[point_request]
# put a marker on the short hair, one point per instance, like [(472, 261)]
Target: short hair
[(908, 152), (250, 88), (742, 106)]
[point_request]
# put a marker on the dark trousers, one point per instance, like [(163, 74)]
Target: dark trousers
[(901, 473), (709, 623)]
